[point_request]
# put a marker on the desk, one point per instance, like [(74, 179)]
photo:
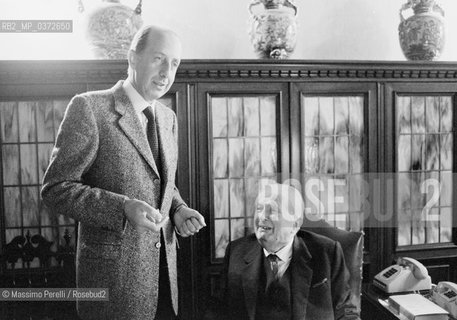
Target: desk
[(371, 308)]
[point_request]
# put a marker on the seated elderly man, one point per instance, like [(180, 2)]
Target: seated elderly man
[(281, 272)]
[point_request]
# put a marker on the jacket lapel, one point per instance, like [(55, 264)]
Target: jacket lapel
[(250, 277), (164, 123), (131, 125), (301, 275)]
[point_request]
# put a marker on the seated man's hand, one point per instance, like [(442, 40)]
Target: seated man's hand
[(142, 216), (188, 221)]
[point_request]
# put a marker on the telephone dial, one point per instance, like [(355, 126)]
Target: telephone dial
[(445, 295), (405, 276)]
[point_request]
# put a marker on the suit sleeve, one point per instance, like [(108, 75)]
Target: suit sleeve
[(64, 190), (341, 291)]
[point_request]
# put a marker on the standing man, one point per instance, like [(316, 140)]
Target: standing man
[(281, 273), (113, 170)]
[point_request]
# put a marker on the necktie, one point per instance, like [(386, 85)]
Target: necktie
[(153, 136), (274, 264)]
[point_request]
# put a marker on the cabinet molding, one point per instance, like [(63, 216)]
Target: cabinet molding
[(96, 71)]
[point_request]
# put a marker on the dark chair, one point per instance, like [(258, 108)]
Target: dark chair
[(352, 244)]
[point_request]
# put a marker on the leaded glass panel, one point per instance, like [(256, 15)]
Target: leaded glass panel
[(424, 166), (244, 151), (28, 130), (333, 145)]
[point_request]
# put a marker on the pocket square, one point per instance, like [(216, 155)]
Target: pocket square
[(317, 284)]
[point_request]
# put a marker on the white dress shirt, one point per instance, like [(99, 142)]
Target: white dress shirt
[(138, 102), (285, 256)]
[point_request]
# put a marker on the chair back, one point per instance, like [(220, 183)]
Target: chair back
[(352, 244)]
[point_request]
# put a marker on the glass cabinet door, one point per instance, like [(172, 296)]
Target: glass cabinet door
[(419, 146), (243, 151), (424, 157), (244, 147), (331, 151), (333, 148), (27, 132)]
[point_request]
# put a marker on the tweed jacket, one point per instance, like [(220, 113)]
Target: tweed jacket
[(319, 278), (101, 157)]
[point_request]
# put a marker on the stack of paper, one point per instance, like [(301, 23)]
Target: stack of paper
[(416, 307)]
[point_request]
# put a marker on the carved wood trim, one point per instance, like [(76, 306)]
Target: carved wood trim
[(96, 71), (25, 249)]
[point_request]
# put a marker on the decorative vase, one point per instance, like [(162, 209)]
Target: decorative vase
[(273, 28), (111, 27), (422, 35)]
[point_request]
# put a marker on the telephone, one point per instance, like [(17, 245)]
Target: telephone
[(445, 295), (405, 276)]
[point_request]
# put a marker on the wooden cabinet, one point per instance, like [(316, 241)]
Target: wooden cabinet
[(369, 144)]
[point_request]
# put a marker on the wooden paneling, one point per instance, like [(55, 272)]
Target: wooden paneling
[(216, 102)]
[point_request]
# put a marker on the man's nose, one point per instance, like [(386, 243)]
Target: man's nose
[(165, 69), (262, 214)]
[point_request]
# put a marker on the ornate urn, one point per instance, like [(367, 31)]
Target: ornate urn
[(273, 28), (422, 35), (111, 27)]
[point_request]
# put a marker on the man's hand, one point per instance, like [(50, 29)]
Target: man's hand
[(188, 221), (142, 216)]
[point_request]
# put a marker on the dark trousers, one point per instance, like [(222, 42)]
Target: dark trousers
[(164, 306)]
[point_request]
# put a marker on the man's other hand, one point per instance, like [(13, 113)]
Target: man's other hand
[(142, 216), (188, 221)]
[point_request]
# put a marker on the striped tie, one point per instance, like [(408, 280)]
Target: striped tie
[(274, 259)]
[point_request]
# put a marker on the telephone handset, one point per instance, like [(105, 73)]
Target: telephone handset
[(419, 270), (405, 276), (444, 294)]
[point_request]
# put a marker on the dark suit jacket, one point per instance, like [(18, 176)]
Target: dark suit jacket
[(102, 156), (319, 278)]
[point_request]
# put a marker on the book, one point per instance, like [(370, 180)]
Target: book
[(416, 307)]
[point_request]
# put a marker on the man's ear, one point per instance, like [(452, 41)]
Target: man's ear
[(132, 58), (297, 224)]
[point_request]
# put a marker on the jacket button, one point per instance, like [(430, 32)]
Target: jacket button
[(158, 245), (156, 181)]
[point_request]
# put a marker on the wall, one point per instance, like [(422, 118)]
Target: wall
[(216, 29)]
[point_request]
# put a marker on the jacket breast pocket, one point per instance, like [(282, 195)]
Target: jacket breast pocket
[(320, 291), (320, 283)]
